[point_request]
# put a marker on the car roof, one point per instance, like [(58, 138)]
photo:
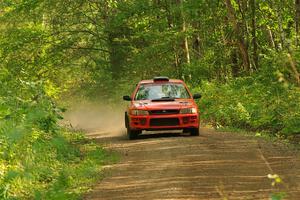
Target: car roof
[(152, 81)]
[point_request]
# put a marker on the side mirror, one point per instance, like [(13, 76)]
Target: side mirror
[(126, 98), (197, 96)]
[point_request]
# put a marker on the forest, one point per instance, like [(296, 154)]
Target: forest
[(243, 56)]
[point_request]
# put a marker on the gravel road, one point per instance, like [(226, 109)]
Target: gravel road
[(212, 166)]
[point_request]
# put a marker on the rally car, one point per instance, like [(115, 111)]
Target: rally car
[(161, 104)]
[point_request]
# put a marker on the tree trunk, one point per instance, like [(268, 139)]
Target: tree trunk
[(170, 21), (297, 21), (185, 41), (281, 31), (177, 64), (254, 39), (197, 46), (234, 66), (294, 69), (239, 37), (271, 38)]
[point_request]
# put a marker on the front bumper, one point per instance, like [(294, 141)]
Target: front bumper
[(164, 122)]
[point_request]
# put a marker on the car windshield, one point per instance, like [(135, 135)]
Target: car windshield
[(162, 91)]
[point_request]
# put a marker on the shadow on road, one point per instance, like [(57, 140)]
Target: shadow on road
[(152, 135), (122, 136)]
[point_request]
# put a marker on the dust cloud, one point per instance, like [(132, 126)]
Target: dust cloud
[(97, 119)]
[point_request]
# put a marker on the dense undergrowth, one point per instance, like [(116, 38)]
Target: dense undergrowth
[(39, 159), (262, 102)]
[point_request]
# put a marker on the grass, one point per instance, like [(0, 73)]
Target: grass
[(62, 166), (81, 172)]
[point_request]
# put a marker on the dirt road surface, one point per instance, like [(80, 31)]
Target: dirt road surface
[(212, 166)]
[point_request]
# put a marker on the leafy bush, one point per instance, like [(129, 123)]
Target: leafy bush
[(259, 102), (38, 159), (40, 165)]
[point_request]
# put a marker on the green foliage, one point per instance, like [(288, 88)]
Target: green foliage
[(256, 103), (40, 165)]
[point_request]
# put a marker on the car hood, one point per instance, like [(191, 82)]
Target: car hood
[(149, 105)]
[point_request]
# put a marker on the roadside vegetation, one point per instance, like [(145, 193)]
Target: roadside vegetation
[(253, 104), (242, 55), (39, 165), (38, 158)]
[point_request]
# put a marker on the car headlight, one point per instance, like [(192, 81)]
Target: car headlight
[(188, 111), (139, 112)]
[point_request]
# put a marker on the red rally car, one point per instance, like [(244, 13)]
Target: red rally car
[(161, 104)]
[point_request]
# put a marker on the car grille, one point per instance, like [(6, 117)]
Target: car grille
[(163, 112), (164, 122)]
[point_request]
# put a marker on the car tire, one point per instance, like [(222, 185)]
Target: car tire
[(126, 120), (194, 131), (186, 130), (132, 134)]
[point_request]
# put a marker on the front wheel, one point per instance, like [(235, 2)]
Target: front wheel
[(132, 134), (126, 120), (194, 131)]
